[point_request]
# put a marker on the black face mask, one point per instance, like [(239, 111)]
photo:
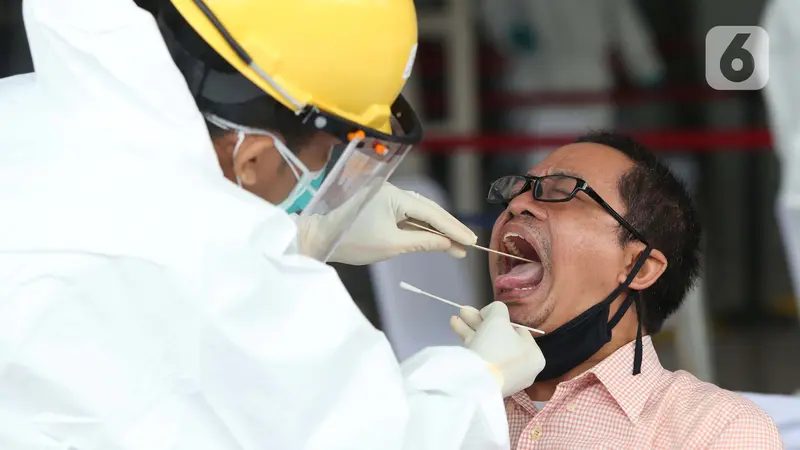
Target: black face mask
[(580, 338)]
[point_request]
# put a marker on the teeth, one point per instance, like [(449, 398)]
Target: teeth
[(520, 289), (509, 243)]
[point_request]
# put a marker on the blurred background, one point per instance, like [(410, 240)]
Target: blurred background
[(499, 83)]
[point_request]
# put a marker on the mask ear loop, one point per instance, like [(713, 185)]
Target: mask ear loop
[(638, 350), (294, 162), (288, 156), (240, 138), (635, 298)]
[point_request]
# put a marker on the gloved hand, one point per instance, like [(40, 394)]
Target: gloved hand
[(511, 352), (376, 234)]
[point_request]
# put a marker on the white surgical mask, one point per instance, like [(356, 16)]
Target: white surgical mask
[(308, 182)]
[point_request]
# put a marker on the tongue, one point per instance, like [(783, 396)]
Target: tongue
[(522, 276)]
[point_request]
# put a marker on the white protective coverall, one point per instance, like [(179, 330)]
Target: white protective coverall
[(570, 53), (782, 95), (146, 302)]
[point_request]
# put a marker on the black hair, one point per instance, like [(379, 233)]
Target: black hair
[(197, 61), (659, 207), (267, 114)]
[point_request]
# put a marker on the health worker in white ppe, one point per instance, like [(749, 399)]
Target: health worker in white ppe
[(782, 97), (149, 300)]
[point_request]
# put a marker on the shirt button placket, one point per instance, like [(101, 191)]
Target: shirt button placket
[(536, 433)]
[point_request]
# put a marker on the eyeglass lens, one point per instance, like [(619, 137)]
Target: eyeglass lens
[(548, 188)]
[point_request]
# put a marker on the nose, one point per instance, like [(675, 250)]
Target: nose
[(525, 205)]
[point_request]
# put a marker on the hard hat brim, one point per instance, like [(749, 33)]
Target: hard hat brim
[(204, 21), (404, 127)]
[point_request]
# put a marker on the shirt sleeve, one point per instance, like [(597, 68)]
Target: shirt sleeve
[(751, 428)]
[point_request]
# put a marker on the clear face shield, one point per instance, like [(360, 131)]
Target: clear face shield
[(369, 158)]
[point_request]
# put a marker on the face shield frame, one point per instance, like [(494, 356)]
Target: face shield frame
[(356, 177)]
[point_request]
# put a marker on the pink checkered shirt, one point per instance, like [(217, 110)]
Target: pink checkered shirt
[(607, 407)]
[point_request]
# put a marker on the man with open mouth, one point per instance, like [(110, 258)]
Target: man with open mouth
[(614, 241)]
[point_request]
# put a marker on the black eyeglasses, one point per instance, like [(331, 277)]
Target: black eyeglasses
[(551, 189)]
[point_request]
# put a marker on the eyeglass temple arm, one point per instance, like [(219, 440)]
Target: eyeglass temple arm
[(596, 197)]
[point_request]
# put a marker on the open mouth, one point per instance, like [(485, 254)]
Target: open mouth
[(515, 274)]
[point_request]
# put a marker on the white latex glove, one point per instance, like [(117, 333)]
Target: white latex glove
[(376, 234), (511, 352)]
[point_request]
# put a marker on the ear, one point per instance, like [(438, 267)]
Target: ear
[(253, 148), (653, 267)]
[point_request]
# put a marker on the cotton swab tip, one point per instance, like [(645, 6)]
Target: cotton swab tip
[(409, 287), (419, 291), (416, 290), (535, 330)]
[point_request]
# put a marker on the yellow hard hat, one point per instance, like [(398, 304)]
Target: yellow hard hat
[(335, 59)]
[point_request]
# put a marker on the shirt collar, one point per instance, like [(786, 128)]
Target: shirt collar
[(615, 374), (630, 391)]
